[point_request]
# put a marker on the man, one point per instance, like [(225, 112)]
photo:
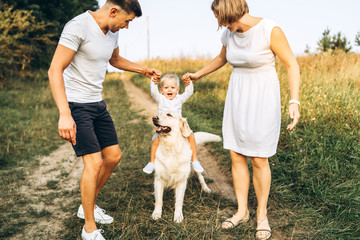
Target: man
[(88, 42)]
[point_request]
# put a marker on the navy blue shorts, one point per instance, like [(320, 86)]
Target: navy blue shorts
[(95, 128)]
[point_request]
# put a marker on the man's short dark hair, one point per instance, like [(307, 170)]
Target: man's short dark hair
[(128, 6)]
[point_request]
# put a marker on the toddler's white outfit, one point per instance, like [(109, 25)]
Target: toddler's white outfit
[(174, 105)]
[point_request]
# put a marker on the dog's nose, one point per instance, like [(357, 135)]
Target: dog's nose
[(155, 118)]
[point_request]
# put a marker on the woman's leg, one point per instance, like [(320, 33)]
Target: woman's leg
[(262, 182), (241, 181)]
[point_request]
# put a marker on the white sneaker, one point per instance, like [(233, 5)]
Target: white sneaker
[(95, 235), (99, 215), (197, 166), (149, 168)]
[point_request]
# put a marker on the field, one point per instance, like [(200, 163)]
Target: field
[(315, 174)]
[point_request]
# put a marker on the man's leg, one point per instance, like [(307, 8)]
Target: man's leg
[(111, 157), (88, 185)]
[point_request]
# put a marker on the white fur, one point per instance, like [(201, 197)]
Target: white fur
[(172, 161)]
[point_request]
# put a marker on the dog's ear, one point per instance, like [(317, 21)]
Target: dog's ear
[(185, 128)]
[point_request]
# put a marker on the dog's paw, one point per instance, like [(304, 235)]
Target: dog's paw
[(206, 189), (178, 217), (156, 215)]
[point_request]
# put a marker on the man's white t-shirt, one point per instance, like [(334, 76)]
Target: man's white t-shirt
[(84, 76), (175, 105)]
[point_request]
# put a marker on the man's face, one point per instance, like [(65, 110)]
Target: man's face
[(119, 19)]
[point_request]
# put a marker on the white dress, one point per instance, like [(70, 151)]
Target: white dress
[(252, 113)]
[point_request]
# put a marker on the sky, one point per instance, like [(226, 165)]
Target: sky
[(188, 28)]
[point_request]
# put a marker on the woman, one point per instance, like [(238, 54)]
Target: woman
[(252, 113)]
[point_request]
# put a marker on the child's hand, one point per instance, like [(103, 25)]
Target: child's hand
[(155, 80), (188, 77)]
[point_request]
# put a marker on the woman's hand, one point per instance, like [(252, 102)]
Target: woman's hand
[(187, 77), (294, 115)]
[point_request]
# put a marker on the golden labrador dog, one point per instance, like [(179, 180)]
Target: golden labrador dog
[(173, 158)]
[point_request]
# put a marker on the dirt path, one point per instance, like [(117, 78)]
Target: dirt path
[(143, 101), (47, 192), (49, 187)]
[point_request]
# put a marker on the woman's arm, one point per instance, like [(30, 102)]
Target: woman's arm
[(280, 46), (212, 66)]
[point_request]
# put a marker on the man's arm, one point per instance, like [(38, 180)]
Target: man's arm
[(124, 64), (61, 59)]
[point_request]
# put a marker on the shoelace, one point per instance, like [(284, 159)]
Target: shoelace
[(98, 231), (101, 209)]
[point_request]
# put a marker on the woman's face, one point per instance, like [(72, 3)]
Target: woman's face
[(231, 26)]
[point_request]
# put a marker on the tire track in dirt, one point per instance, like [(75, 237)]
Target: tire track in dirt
[(142, 101)]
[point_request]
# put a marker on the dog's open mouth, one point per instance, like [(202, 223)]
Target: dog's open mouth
[(160, 129)]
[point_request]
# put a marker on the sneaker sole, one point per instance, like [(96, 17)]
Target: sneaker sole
[(97, 220)]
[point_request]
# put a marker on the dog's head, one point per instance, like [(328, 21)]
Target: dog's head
[(169, 123)]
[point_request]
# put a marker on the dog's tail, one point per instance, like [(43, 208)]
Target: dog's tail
[(204, 137)]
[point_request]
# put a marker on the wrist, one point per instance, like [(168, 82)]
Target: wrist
[(64, 113), (144, 70), (292, 101)]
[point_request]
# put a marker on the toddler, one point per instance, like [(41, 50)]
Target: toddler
[(169, 100)]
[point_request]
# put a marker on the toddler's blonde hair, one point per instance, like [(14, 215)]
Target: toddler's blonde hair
[(170, 76)]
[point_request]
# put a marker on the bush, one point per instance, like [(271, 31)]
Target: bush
[(22, 39)]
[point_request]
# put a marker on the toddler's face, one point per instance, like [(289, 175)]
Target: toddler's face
[(169, 89)]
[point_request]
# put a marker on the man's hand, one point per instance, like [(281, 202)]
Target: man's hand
[(67, 128), (153, 74)]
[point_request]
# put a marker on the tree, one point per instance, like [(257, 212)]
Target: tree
[(45, 19), (333, 42), (22, 39), (325, 42), (56, 11), (357, 39)]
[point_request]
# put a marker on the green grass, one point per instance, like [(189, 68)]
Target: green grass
[(28, 129), (315, 174)]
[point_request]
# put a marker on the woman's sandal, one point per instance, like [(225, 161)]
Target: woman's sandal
[(230, 223), (263, 231)]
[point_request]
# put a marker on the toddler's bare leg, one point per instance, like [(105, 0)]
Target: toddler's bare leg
[(193, 147), (154, 147)]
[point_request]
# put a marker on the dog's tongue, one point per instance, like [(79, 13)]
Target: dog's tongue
[(158, 129)]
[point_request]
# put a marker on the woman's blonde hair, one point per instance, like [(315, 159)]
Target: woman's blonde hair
[(229, 11)]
